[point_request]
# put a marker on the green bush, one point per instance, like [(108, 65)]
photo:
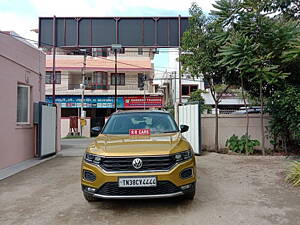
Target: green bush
[(294, 173), (243, 145), (284, 124)]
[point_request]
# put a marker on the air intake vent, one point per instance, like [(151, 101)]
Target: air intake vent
[(187, 173), (89, 176)]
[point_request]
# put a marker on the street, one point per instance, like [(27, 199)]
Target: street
[(230, 190)]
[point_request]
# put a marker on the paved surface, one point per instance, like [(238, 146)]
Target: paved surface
[(9, 171), (231, 190), (74, 147)]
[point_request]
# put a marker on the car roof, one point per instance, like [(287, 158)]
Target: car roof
[(139, 111)]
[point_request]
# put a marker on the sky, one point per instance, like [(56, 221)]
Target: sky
[(21, 16)]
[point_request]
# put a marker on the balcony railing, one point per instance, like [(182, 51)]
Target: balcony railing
[(95, 86), (90, 86)]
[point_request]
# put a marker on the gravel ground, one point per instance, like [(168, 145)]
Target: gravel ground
[(231, 190)]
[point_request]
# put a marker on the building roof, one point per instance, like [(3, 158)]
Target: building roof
[(75, 63)]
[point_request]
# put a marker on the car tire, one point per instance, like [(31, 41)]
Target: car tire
[(89, 197), (191, 193)]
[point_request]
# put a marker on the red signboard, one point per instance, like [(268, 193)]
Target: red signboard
[(141, 102), (139, 132)]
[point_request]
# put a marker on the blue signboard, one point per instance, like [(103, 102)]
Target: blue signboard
[(89, 101)]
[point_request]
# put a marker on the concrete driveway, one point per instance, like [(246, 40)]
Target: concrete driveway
[(74, 147), (231, 190)]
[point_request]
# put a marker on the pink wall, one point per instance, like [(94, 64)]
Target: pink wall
[(19, 63)]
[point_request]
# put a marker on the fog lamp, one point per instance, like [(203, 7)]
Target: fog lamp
[(184, 187), (89, 189)]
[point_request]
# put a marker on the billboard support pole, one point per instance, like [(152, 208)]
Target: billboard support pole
[(116, 71), (53, 58), (179, 54), (116, 48)]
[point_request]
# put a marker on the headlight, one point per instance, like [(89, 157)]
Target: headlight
[(93, 159), (182, 156)]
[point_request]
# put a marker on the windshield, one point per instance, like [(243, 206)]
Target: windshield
[(156, 122)]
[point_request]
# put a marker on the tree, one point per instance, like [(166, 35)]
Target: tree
[(254, 44), (201, 40), (197, 97)]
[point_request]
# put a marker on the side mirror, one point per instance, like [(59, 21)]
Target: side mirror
[(184, 128)]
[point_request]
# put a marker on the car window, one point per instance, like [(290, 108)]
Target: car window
[(156, 122)]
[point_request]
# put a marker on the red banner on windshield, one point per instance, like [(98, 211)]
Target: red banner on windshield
[(139, 132)]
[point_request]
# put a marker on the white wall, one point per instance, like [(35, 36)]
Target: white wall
[(65, 125)]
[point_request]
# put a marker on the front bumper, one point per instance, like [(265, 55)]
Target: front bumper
[(169, 183), (138, 196)]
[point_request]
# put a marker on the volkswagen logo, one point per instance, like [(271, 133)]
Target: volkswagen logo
[(137, 163)]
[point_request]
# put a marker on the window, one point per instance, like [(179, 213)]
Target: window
[(193, 88), (140, 51), (23, 104), (87, 80), (185, 90), (141, 79), (156, 122), (48, 78), (122, 51), (102, 52), (206, 84), (188, 89), (100, 80), (120, 79)]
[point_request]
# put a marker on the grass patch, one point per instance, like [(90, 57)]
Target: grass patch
[(74, 137), (294, 173)]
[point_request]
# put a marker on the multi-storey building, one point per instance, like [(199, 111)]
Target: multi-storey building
[(133, 91), (169, 84)]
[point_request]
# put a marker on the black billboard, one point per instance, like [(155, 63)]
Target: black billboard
[(104, 31)]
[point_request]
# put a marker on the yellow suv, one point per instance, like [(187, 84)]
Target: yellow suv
[(139, 154)]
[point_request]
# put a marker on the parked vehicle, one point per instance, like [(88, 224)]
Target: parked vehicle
[(139, 154), (251, 110)]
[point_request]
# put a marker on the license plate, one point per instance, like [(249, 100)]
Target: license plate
[(137, 182)]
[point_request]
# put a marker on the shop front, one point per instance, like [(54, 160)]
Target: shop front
[(100, 107)]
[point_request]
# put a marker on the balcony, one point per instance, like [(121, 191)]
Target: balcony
[(96, 86), (90, 86)]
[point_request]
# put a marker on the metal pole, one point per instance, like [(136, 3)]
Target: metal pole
[(144, 78), (175, 100), (53, 58), (116, 71), (171, 93), (179, 53), (82, 93)]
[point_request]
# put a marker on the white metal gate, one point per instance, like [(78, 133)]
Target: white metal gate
[(46, 135), (190, 115)]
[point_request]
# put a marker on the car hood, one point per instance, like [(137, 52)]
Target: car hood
[(125, 145)]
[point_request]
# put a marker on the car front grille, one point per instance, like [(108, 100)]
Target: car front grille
[(163, 187), (119, 164)]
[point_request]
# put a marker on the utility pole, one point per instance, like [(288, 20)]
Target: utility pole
[(179, 62), (116, 79), (175, 88), (144, 81), (116, 48), (82, 86), (53, 58)]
